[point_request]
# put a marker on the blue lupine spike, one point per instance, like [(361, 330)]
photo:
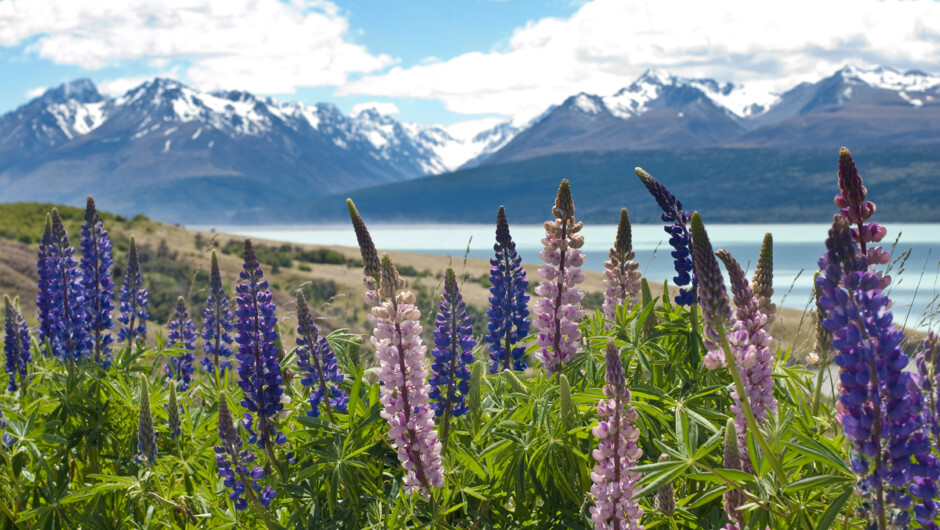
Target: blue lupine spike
[(217, 324), (508, 310), (46, 277), (96, 281), (146, 438), (316, 359), (258, 366), (134, 301), (69, 337), (15, 343), (453, 354), (182, 334)]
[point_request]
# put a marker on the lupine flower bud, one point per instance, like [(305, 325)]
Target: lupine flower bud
[(370, 258), (650, 325), (733, 497), (69, 337), (233, 462), (617, 451), (763, 280), (508, 304), (97, 283), (621, 271), (712, 295), (453, 354), (855, 209), (183, 336), (666, 495), (682, 253), (568, 410), (558, 312), (134, 301), (146, 438), (46, 278), (404, 387), (474, 395), (823, 348), (258, 367), (15, 343), (173, 413), (217, 323), (316, 359)]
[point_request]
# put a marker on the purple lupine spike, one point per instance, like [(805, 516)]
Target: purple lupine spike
[(232, 462), (258, 366), (217, 323), (928, 372), (762, 283), (881, 406), (855, 209), (183, 336), (617, 451), (558, 312), (453, 354), (508, 311), (621, 271), (146, 438), (679, 236), (15, 343), (46, 279), (70, 340), (96, 281), (403, 380), (712, 295), (750, 345), (317, 360), (134, 301)]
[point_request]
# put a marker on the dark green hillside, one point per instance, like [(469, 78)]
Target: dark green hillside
[(730, 185)]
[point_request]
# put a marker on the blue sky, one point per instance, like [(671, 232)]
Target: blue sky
[(452, 60)]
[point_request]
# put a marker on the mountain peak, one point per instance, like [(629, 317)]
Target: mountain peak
[(656, 76), (82, 90)]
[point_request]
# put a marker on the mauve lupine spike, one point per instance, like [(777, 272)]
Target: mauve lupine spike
[(182, 334), (146, 438), (763, 280), (558, 312), (46, 277), (508, 311), (15, 344), (617, 451), (96, 266), (621, 271), (217, 323), (70, 340), (712, 295), (230, 459), (370, 257), (134, 301), (856, 209), (316, 359), (404, 386)]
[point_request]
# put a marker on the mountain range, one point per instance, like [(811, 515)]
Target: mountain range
[(182, 155)]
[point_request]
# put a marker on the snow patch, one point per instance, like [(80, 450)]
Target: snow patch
[(166, 147), (586, 104), (914, 102), (197, 133)]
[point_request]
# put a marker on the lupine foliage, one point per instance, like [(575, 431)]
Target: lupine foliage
[(630, 430)]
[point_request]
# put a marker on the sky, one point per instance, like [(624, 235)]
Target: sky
[(447, 61)]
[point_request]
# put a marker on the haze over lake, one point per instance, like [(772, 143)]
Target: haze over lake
[(797, 247)]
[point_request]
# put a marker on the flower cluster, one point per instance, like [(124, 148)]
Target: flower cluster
[(402, 375), (679, 237), (217, 324), (621, 272), (258, 367), (97, 283), (134, 301), (370, 257), (15, 343), (617, 451), (146, 438), (508, 311), (558, 312), (182, 335), (855, 209), (881, 406), (68, 335), (316, 359), (232, 462), (712, 295), (762, 283), (453, 345)]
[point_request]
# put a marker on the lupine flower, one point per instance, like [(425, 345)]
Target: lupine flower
[(69, 337), (405, 391), (5, 439), (855, 209), (712, 295), (96, 281), (881, 406), (762, 283), (134, 301), (750, 345), (453, 354), (233, 462), (823, 347), (508, 309), (173, 413), (621, 272), (928, 372), (258, 366), (558, 312), (146, 438), (731, 459), (666, 495), (15, 343), (46, 279), (617, 451), (679, 236), (370, 258), (316, 359), (183, 336), (217, 324)]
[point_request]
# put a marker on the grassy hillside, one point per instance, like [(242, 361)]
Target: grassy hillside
[(728, 185)]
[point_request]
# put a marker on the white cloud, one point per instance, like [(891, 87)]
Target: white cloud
[(36, 92), (384, 108), (265, 46), (117, 87), (607, 43)]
